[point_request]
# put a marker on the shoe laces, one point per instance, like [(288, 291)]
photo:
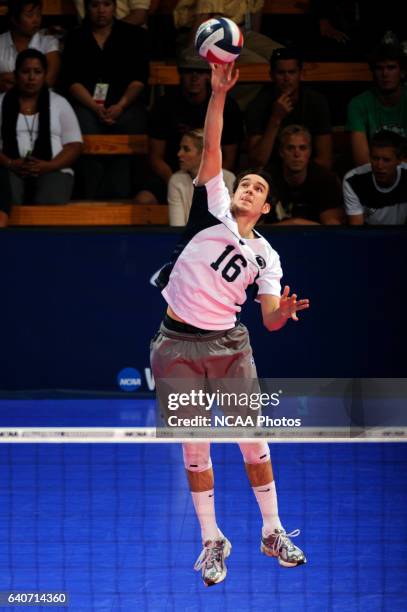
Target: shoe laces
[(282, 539), (211, 556)]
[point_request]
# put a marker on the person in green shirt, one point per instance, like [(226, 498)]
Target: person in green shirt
[(383, 107)]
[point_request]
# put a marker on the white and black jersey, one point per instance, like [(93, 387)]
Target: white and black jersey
[(212, 268), (379, 205)]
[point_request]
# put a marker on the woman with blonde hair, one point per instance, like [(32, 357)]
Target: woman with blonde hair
[(180, 186)]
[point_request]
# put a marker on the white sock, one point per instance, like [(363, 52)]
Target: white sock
[(204, 503), (266, 496)]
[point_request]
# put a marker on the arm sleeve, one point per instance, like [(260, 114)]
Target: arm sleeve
[(50, 44), (268, 281), (70, 130), (176, 208), (353, 205), (213, 197), (218, 196)]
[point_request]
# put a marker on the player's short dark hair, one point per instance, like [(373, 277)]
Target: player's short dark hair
[(286, 53), (387, 138), (387, 52), (260, 172)]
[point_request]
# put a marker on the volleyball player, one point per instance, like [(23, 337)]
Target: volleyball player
[(218, 258)]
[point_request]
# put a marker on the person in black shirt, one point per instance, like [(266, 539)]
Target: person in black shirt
[(105, 68), (283, 102), (305, 192)]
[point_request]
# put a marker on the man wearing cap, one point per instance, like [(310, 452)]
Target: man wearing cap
[(284, 102), (182, 109)]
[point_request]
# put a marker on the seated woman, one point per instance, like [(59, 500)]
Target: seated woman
[(24, 18), (105, 68), (40, 137), (180, 187)]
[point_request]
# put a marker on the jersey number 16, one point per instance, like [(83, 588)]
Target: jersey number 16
[(231, 269)]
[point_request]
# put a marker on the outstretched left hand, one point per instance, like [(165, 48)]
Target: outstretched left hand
[(224, 77), (289, 305)]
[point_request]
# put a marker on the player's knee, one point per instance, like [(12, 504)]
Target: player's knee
[(255, 452), (197, 456)]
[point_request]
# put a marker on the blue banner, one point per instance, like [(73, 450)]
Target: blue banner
[(78, 309)]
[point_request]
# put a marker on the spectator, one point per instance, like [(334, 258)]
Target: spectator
[(178, 111), (283, 102), (382, 107), (306, 193), (40, 137), (180, 186), (24, 19), (134, 12), (189, 14), (376, 193), (105, 67)]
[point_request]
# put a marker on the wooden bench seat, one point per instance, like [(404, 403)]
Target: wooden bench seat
[(117, 144), (89, 213), (167, 74)]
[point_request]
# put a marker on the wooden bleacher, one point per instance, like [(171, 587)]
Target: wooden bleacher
[(167, 74), (119, 144), (89, 213)]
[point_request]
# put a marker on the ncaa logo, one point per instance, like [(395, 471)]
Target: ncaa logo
[(129, 379)]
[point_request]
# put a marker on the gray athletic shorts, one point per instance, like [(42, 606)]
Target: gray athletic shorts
[(218, 354), (209, 362)]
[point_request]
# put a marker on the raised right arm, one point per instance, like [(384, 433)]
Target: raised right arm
[(223, 79)]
